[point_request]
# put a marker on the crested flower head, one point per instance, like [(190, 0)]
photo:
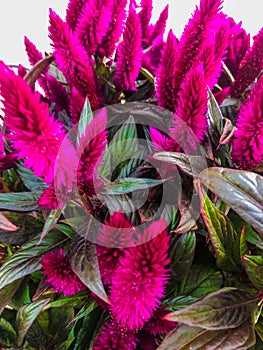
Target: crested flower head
[(76, 105), (145, 16), (250, 67), (159, 27), (248, 142), (164, 77), (192, 42), (73, 12), (115, 28), (21, 71), (72, 59), (58, 272), (152, 58), (191, 108), (35, 135), (93, 23), (129, 54), (162, 142), (114, 338), (117, 234), (139, 282), (48, 198)]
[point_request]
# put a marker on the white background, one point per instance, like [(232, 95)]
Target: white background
[(30, 18)]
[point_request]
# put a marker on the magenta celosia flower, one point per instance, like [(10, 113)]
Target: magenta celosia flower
[(213, 52), (145, 16), (238, 45), (93, 23), (159, 28), (164, 87), (250, 67), (57, 93), (152, 58), (48, 199), (115, 28), (74, 11), (248, 141), (117, 234), (21, 71), (58, 272), (7, 161), (162, 142), (35, 135), (72, 59), (76, 105), (114, 338), (191, 108), (139, 282), (90, 152), (191, 43), (157, 325), (129, 54)]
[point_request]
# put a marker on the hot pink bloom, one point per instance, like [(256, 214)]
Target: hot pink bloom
[(145, 16), (91, 151), (139, 282), (48, 199), (192, 42), (248, 142), (159, 27), (35, 135), (129, 54), (157, 325), (114, 338), (164, 87), (57, 93), (191, 108), (111, 38), (250, 67), (162, 142), (56, 267), (116, 236), (72, 59), (6, 161), (238, 45), (74, 11), (152, 58), (21, 71), (76, 105), (93, 23)]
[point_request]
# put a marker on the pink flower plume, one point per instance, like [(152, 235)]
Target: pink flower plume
[(35, 135), (162, 142), (192, 106), (248, 142), (56, 267), (48, 199), (159, 27), (129, 55), (250, 67), (117, 234), (139, 282), (57, 93), (76, 105), (145, 16), (72, 59), (73, 12), (164, 87), (114, 338), (115, 28), (93, 23)]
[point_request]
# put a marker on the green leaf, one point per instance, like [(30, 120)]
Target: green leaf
[(7, 292), (65, 345), (32, 182), (179, 303), (50, 222), (241, 190), (61, 323), (215, 118), (27, 259), (224, 238), (7, 225), (200, 281), (191, 165), (195, 338), (121, 148), (21, 201), (171, 215), (21, 296), (182, 255), (133, 163), (6, 326), (254, 269), (26, 315), (75, 301), (223, 309), (84, 262), (7, 333), (129, 185), (85, 118)]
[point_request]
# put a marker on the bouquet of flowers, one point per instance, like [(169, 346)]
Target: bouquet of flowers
[(131, 188)]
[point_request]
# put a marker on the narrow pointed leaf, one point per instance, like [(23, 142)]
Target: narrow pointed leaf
[(7, 225), (224, 238), (35, 72), (32, 182), (20, 201), (7, 292), (254, 269), (50, 223), (84, 262), (26, 315), (241, 190), (85, 118), (223, 309)]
